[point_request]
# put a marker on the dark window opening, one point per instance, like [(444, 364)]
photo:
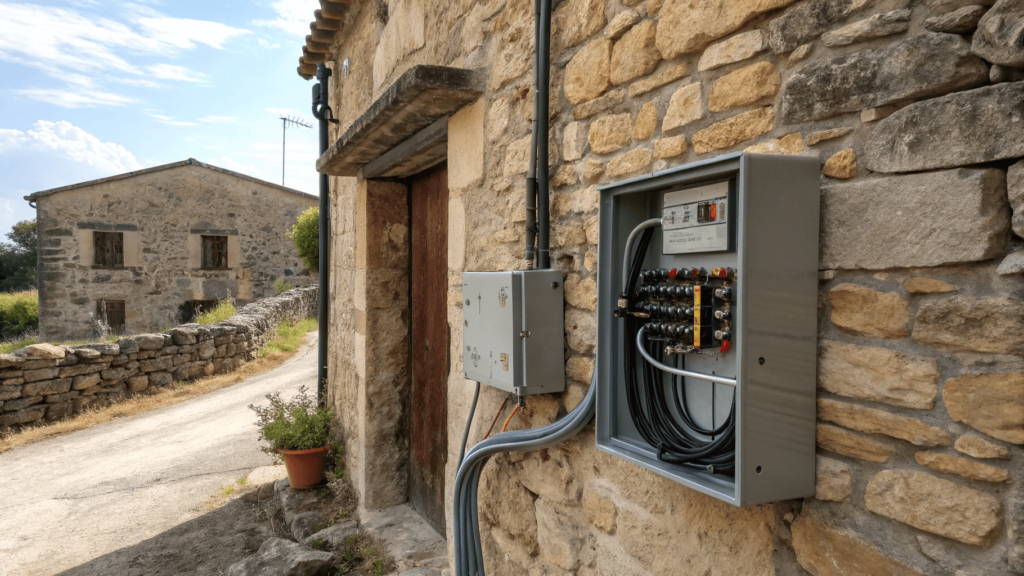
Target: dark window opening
[(108, 249), (215, 251), (111, 312)]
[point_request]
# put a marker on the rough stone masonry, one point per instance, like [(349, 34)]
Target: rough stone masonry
[(161, 215), (915, 109), (47, 382)]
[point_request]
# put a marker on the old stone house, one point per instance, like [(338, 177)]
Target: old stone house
[(914, 110), (145, 250)]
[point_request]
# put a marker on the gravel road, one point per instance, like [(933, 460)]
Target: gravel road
[(90, 497)]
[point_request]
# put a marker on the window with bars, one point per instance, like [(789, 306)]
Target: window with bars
[(112, 313), (108, 249), (215, 252)]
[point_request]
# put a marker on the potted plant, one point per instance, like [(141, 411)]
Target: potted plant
[(300, 432)]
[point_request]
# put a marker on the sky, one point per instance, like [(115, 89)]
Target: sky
[(90, 89)]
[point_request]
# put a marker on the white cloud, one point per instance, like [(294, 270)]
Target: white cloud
[(184, 33), (293, 16), (172, 72), (80, 48), (69, 142), (267, 44), (219, 119), (74, 97), (171, 121), (135, 82)]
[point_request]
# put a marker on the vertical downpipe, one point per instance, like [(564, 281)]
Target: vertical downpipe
[(541, 117), (322, 111)]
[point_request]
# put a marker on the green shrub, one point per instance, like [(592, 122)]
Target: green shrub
[(282, 286), (286, 337), (296, 424), (19, 312), (306, 235), (224, 310)]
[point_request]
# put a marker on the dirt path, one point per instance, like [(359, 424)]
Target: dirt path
[(122, 494)]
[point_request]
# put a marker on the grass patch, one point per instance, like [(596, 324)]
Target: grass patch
[(287, 337), (19, 312), (282, 286), (143, 402), (11, 346), (362, 556), (224, 310)]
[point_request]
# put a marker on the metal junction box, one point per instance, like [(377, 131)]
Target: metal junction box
[(728, 299), (513, 330)]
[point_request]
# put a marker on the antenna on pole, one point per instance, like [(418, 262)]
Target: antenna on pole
[(285, 121)]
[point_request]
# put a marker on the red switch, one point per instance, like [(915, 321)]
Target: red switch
[(714, 211), (672, 273), (726, 345)]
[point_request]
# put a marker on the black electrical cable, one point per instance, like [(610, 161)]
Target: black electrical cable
[(678, 440), (469, 423)]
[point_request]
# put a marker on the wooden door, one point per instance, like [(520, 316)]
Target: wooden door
[(429, 285)]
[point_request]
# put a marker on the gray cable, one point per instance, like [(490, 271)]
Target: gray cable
[(468, 551), (678, 371), (629, 247), (469, 423)]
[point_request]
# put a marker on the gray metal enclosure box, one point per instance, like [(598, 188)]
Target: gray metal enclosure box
[(513, 330), (774, 205)]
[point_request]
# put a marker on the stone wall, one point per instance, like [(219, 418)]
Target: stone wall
[(47, 383), (163, 214), (914, 109)]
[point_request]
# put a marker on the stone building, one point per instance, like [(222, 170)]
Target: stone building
[(145, 250), (914, 109)]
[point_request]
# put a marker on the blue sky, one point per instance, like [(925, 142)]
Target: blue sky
[(90, 89)]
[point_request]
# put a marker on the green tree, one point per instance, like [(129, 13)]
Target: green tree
[(18, 258), (306, 235)]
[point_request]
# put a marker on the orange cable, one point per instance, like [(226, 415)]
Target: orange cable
[(493, 422), (510, 418)]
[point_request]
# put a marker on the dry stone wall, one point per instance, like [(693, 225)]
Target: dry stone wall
[(914, 109), (48, 383)]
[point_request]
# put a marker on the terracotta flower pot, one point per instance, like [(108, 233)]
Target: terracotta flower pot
[(305, 467)]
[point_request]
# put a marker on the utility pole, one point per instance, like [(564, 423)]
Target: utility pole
[(285, 121)]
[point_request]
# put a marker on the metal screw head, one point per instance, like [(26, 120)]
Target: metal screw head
[(554, 285), (467, 301), (760, 361), (465, 322)]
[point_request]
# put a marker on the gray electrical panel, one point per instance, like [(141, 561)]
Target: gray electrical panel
[(513, 330), (707, 366)]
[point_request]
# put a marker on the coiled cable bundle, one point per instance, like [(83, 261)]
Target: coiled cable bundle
[(678, 440)]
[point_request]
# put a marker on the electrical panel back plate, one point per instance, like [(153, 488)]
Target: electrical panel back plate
[(739, 240)]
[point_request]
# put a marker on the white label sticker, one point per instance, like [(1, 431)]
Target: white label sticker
[(696, 220)]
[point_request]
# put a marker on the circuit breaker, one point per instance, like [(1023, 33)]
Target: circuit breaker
[(513, 330), (707, 325)]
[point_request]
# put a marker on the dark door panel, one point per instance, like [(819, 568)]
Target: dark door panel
[(429, 284)]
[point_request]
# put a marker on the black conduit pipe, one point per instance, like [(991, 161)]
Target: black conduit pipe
[(322, 112), (540, 116)]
